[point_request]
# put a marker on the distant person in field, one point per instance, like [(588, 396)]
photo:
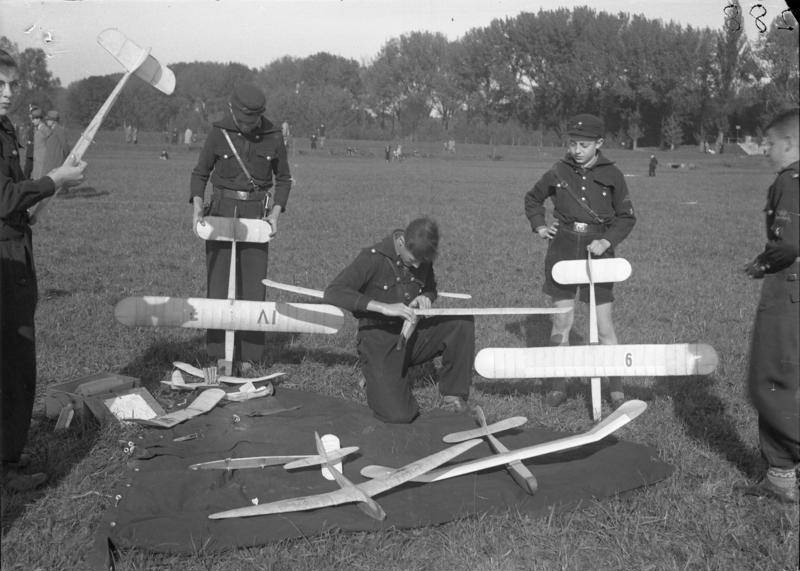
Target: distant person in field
[(40, 133), (387, 153), (321, 133), (18, 286), (651, 169), (56, 146), (774, 375), (245, 157), (593, 213), (381, 287), (35, 117)]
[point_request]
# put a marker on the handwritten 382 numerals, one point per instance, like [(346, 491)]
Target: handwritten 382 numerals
[(733, 20)]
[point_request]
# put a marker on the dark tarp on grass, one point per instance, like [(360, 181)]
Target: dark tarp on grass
[(164, 506)]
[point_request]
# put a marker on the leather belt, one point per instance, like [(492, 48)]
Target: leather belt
[(259, 195), (584, 227)]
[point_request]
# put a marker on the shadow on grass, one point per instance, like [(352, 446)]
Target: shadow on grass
[(282, 348), (155, 363), (81, 192), (704, 416), (54, 453)]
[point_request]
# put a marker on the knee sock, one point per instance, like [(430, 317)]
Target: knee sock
[(784, 478)]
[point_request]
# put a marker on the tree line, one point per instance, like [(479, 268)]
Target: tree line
[(516, 80)]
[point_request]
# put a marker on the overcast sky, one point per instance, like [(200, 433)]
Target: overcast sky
[(256, 32)]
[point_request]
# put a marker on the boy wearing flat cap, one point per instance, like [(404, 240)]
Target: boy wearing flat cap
[(245, 158), (593, 213)]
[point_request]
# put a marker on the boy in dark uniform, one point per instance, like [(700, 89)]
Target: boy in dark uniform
[(18, 287), (774, 375), (260, 146), (35, 116), (380, 287), (593, 213)]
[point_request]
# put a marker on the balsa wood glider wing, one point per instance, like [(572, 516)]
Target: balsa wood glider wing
[(603, 270), (617, 419), (246, 463), (483, 430), (241, 315), (288, 462), (355, 494), (522, 476), (227, 379), (130, 55), (680, 359), (218, 228)]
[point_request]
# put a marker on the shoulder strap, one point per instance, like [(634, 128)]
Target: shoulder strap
[(239, 160), (597, 219)]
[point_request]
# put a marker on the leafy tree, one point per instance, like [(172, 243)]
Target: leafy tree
[(778, 58), (672, 132), (39, 87)]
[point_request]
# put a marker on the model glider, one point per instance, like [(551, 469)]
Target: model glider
[(680, 359), (206, 401), (331, 455), (522, 476), (136, 61), (410, 325), (594, 360), (356, 492), (241, 315), (197, 373), (617, 419)]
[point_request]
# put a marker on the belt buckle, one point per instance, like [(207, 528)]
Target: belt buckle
[(580, 227)]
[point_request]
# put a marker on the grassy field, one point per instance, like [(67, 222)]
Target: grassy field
[(127, 232)]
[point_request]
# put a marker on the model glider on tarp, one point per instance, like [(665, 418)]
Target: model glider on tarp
[(227, 379), (520, 473), (350, 493), (136, 61), (205, 401), (617, 419), (332, 454)]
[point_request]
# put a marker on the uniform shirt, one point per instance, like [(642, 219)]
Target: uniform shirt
[(16, 193), (782, 211), (379, 274), (263, 152), (575, 190)]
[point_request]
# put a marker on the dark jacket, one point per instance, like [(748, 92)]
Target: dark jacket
[(782, 224), (597, 195), (379, 274), (16, 193), (263, 152)]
